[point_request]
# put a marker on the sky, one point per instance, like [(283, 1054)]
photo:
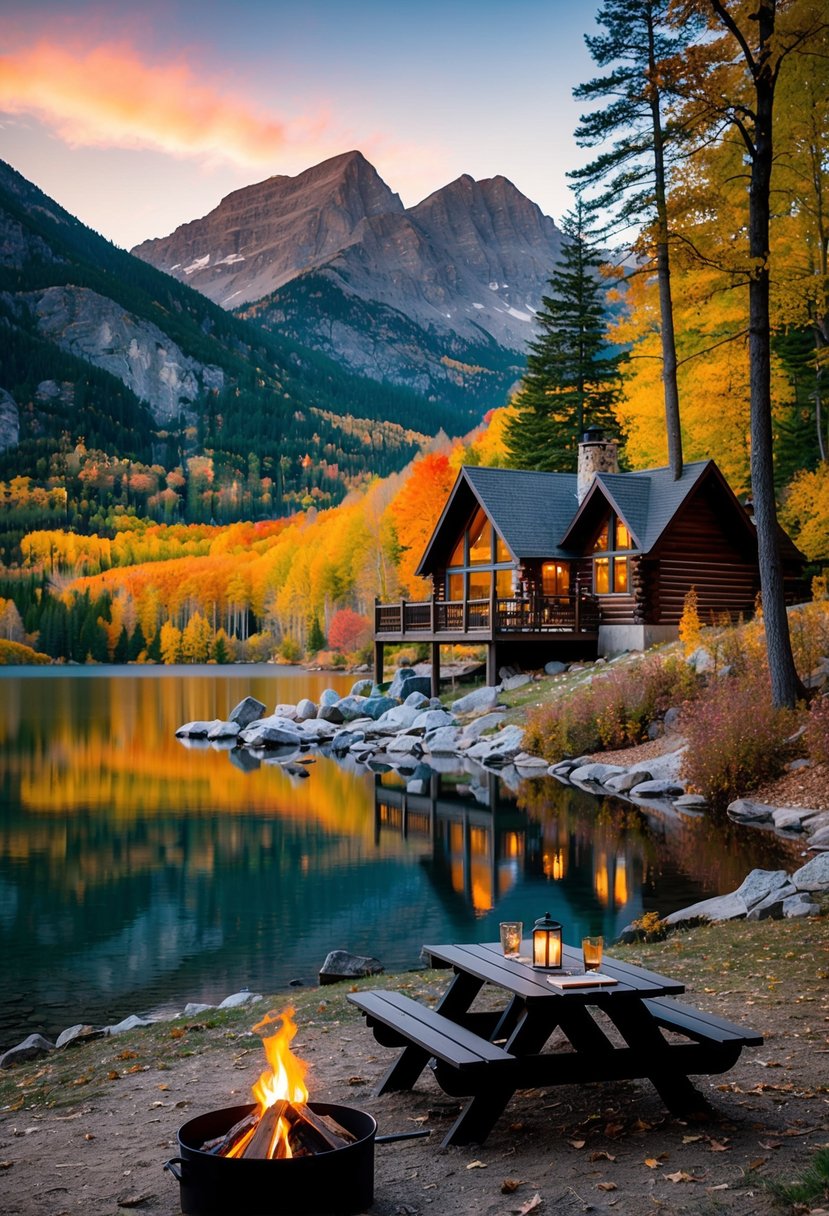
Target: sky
[(139, 117)]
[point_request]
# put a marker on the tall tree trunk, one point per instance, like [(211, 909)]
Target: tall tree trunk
[(663, 270), (785, 685)]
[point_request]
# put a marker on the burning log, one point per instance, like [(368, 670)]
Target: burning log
[(317, 1133), (220, 1146), (260, 1143)]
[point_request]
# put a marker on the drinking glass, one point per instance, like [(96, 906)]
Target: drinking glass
[(511, 934), (591, 949)]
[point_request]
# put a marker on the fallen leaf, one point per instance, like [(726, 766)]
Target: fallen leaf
[(601, 1155), (6, 1165), (722, 1186), (577, 1143), (510, 1184), (614, 1129), (357, 1081), (641, 1125), (691, 1139), (112, 1075), (162, 1087), (757, 1163), (89, 1135), (532, 1205), (127, 1055), (682, 1176), (718, 1146), (477, 1165), (178, 1032), (651, 1163), (606, 1186), (133, 1201)]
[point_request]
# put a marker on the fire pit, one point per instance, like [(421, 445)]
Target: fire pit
[(340, 1180), (282, 1155)]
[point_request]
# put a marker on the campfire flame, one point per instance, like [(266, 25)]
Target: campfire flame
[(285, 1080)]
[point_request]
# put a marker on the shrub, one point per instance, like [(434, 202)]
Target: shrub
[(690, 627), (13, 653), (736, 738), (290, 650), (817, 730), (348, 631)]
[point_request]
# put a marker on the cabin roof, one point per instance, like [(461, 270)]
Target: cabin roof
[(531, 510)]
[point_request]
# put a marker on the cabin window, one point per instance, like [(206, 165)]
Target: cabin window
[(480, 556), (611, 571), (480, 540), (555, 578)]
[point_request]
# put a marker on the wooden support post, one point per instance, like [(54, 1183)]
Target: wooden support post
[(432, 615), (435, 665), (577, 621), (493, 605), (402, 616), (491, 664), (378, 663)]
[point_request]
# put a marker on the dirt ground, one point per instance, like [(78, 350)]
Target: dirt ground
[(86, 1131)]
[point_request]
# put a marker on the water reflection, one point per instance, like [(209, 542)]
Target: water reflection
[(135, 871)]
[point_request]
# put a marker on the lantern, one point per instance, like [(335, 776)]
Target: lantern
[(547, 943)]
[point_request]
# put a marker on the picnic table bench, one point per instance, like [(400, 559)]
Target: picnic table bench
[(485, 1056)]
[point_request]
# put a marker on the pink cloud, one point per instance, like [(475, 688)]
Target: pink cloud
[(108, 97)]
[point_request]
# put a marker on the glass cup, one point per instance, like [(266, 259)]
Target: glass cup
[(511, 934), (591, 950)]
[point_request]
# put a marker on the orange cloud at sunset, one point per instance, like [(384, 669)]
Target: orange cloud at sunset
[(108, 96)]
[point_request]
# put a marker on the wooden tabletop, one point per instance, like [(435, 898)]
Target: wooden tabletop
[(485, 961)]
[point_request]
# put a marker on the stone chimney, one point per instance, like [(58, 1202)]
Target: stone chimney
[(597, 454)]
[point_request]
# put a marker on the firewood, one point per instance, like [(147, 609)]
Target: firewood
[(260, 1142), (310, 1127), (221, 1145)]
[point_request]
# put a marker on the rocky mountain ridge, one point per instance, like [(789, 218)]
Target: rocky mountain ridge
[(439, 297)]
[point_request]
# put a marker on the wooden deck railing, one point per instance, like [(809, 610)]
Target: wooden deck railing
[(544, 614)]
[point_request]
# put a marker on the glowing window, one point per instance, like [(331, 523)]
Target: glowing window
[(480, 582), (456, 586), (502, 553), (503, 584), (457, 558), (603, 539), (480, 540), (555, 578), (620, 574), (601, 575), (623, 540)]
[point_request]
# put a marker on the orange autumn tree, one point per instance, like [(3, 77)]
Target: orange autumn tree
[(414, 512)]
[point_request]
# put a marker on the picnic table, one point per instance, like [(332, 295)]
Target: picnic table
[(485, 1056)]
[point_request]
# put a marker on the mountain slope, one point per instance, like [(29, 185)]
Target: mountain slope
[(439, 298), (97, 345)]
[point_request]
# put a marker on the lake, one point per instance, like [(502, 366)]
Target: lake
[(137, 873)]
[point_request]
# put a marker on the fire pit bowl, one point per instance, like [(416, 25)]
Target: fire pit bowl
[(339, 1181)]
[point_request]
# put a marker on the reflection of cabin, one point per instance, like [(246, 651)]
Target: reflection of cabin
[(544, 565)]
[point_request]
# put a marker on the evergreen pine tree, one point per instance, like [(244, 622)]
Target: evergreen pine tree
[(138, 643), (637, 46), (316, 638), (154, 648), (572, 378), (121, 652), (219, 652)]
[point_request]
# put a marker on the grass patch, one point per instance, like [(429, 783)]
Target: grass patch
[(811, 1186)]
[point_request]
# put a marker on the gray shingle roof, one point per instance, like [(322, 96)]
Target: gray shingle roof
[(648, 500), (532, 511)]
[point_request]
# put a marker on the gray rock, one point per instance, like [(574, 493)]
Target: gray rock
[(787, 820), (625, 781), (480, 699), (691, 802), (240, 998), (700, 660), (797, 765), (306, 709), (554, 668), (330, 713), (525, 760), (405, 745), (272, 736), (342, 965), (345, 739), (82, 1033), (247, 711), (820, 838), (795, 906), (596, 773), (474, 729), (32, 1047), (400, 717), (406, 680), (197, 730), (500, 747), (329, 697), (224, 730), (771, 908), (286, 711), (655, 730), (746, 811), (663, 788), (671, 719), (814, 876), (760, 883), (352, 708), (296, 770), (432, 719), (516, 682), (194, 1008), (9, 419), (418, 700), (721, 907), (133, 1022), (244, 761), (362, 688), (441, 742), (375, 707)]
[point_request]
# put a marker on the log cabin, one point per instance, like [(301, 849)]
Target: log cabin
[(538, 566)]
